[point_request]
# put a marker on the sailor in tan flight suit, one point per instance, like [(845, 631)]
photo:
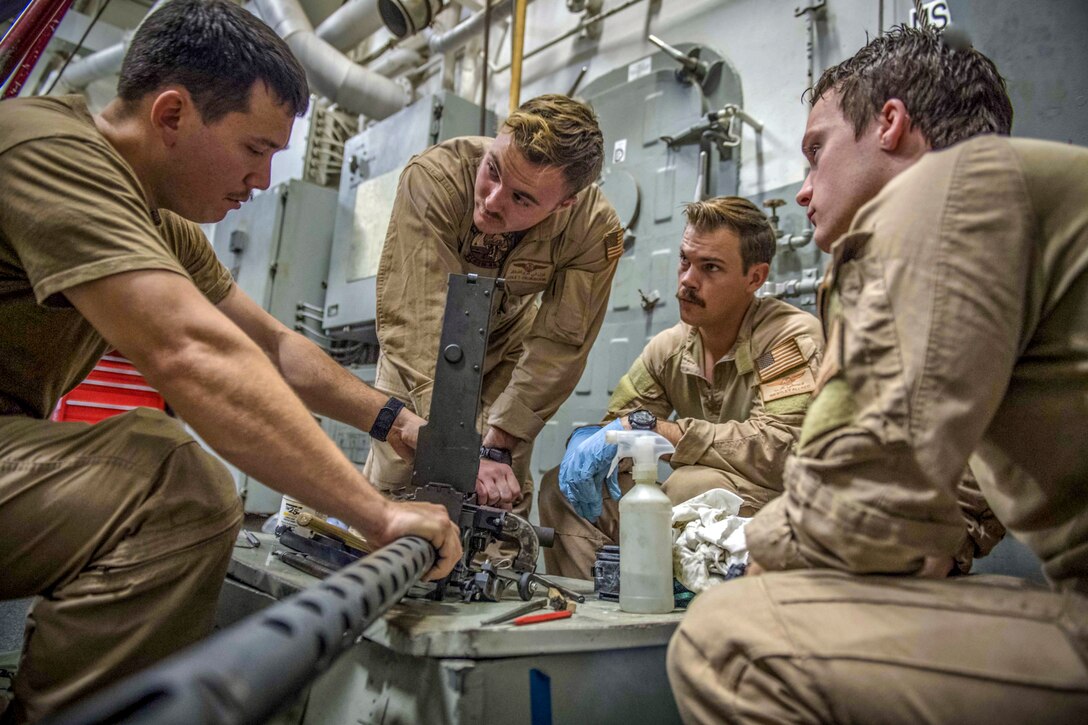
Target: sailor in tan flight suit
[(956, 305), (738, 371), (523, 206), (123, 530)]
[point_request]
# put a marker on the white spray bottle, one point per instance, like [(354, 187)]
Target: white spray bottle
[(645, 525)]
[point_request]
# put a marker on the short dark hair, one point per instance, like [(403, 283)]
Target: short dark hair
[(215, 50), (557, 130), (951, 92), (757, 237)]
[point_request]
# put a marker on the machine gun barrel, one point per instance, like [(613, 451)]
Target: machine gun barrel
[(247, 673)]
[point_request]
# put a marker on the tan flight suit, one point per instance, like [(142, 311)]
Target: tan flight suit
[(959, 323), (737, 428), (123, 528), (537, 350)]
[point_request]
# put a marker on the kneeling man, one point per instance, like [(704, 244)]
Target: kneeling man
[(738, 371)]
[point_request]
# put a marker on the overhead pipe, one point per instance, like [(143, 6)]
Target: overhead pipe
[(517, 53), (483, 67), (461, 33), (106, 62), (352, 87), (351, 24), (573, 31), (395, 61)]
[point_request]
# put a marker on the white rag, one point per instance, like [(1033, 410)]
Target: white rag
[(708, 538)]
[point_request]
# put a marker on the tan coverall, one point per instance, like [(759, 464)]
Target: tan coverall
[(732, 437), (959, 323), (537, 350), (123, 528)]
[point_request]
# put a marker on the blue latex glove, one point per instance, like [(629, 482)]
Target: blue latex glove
[(584, 467)]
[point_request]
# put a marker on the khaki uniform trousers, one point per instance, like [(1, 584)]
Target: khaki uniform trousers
[(124, 529), (827, 647), (578, 540)]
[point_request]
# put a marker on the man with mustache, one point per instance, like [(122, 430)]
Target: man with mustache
[(955, 302), (522, 206), (738, 371), (125, 528)]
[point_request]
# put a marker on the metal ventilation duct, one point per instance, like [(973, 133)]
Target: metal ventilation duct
[(351, 24), (354, 88), (408, 17)]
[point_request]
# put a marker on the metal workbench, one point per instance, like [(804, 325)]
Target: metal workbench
[(432, 662)]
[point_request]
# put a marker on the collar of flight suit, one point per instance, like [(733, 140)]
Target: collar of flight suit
[(741, 353)]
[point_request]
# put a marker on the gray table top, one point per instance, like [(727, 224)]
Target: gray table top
[(452, 629)]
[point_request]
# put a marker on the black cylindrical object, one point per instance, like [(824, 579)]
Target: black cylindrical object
[(247, 673)]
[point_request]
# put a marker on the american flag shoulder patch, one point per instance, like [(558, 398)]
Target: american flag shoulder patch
[(613, 244), (782, 358)]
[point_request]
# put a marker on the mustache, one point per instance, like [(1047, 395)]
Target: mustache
[(686, 295)]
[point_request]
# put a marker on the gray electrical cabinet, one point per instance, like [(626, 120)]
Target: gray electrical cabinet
[(277, 248), (373, 160)]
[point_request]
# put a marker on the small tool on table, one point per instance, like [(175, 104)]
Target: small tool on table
[(303, 563), (558, 601), (516, 612)]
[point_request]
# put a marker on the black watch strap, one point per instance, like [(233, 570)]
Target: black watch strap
[(499, 455), (380, 430)]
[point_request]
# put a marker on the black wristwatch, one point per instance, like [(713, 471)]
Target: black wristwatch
[(380, 430), (641, 420), (499, 455)]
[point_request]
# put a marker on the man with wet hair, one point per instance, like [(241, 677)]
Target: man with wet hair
[(955, 301), (737, 370), (124, 529), (525, 207)]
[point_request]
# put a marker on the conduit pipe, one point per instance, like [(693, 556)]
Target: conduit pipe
[(461, 33), (354, 88), (516, 55), (351, 24), (395, 61), (106, 62)]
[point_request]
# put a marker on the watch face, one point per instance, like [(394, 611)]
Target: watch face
[(642, 420)]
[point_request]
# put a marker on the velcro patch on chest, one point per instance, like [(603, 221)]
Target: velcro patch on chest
[(799, 381), (781, 358), (613, 244), (527, 270)]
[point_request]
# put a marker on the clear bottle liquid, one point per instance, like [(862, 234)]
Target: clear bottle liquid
[(645, 528)]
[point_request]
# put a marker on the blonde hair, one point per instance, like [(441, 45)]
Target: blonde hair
[(556, 130), (757, 237)]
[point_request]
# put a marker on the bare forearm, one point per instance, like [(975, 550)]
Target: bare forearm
[(237, 402), (324, 386), (227, 389)]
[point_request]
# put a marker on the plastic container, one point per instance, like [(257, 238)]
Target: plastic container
[(645, 526)]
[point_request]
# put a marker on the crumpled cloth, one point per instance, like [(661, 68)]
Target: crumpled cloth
[(708, 539)]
